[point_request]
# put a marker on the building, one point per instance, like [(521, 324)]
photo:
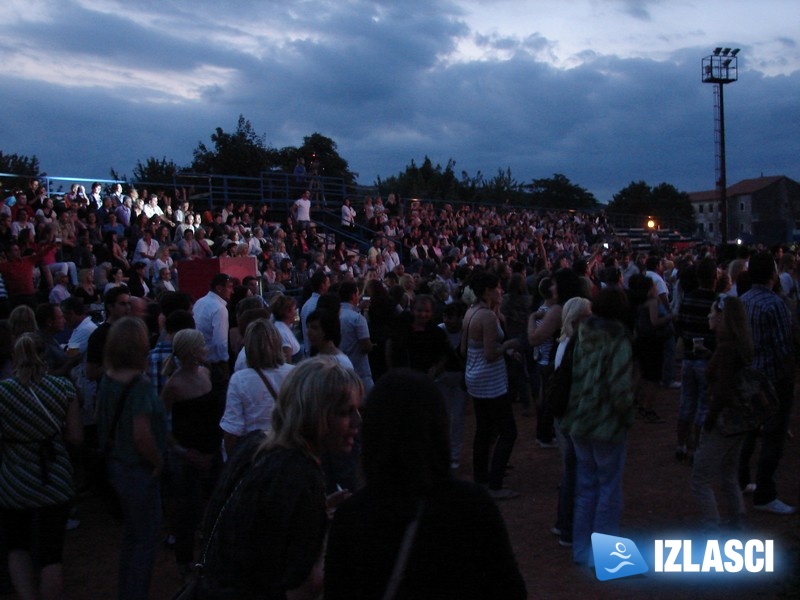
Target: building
[(764, 210)]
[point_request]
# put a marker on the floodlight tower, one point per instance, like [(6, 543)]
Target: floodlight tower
[(719, 68)]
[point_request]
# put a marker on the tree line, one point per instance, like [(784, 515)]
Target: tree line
[(246, 153)]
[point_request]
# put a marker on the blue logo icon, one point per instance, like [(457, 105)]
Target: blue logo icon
[(616, 557)]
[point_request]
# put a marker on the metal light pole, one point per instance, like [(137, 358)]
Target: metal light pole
[(719, 68)]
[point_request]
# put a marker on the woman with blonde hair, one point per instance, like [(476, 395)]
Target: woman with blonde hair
[(574, 311), (132, 427), (252, 391), (38, 413), (267, 519), (193, 445), (22, 320)]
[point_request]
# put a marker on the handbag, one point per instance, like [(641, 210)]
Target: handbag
[(109, 495), (754, 402), (399, 570), (192, 588)]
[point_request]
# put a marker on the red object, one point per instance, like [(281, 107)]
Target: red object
[(194, 276)]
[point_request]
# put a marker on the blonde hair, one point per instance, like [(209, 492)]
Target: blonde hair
[(308, 398), (263, 345), (574, 309), (29, 364), (184, 343), (22, 320), (280, 305)]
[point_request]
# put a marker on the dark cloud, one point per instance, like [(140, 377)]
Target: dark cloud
[(383, 81)]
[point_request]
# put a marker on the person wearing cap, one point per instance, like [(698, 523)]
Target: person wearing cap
[(211, 319)]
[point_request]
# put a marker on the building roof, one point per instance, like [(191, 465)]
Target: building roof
[(746, 186)]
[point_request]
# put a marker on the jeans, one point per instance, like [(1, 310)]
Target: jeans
[(773, 439), (449, 384), (494, 420), (668, 364), (187, 484), (566, 489), (694, 390), (598, 493), (140, 496), (717, 459)]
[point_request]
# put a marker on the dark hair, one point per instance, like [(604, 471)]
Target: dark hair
[(706, 271), (219, 279), (112, 295), (405, 435), (318, 279), (568, 285), (611, 303), (482, 281), (329, 323), (346, 290), (172, 301), (177, 320), (73, 304), (44, 312), (761, 268)]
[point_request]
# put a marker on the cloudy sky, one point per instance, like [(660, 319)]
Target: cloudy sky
[(604, 91)]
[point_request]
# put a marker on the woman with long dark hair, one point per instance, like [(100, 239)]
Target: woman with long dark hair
[(447, 535), (487, 382), (717, 455)]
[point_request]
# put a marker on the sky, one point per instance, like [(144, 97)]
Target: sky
[(605, 92)]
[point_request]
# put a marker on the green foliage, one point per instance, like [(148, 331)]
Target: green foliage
[(242, 152), (663, 202), (156, 171), (559, 192), (18, 164), (24, 167), (317, 147)]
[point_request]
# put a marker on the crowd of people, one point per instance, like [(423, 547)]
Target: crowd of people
[(254, 412)]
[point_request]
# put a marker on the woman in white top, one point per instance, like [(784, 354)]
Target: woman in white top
[(250, 399), (284, 311)]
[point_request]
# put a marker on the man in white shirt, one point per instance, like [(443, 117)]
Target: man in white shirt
[(355, 343), (211, 319), (301, 209), (81, 324)]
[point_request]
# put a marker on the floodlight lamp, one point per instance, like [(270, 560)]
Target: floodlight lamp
[(717, 51), (727, 62), (735, 51), (725, 51), (651, 224)]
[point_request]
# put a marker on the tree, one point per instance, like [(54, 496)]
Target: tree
[(559, 192), (242, 153), (664, 202), (317, 147), (155, 170), (24, 167)]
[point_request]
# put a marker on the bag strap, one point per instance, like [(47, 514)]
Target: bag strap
[(112, 432), (401, 562), (47, 412), (267, 383)]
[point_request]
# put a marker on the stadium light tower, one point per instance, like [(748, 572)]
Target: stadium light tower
[(720, 68)]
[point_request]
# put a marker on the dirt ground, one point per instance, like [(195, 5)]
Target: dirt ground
[(657, 500)]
